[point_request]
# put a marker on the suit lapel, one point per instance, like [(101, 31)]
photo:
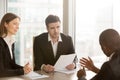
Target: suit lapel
[(50, 50), (9, 55), (59, 49), (7, 49)]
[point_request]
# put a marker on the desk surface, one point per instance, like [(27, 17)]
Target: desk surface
[(52, 76)]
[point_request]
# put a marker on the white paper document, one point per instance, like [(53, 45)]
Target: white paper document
[(33, 75), (63, 61)]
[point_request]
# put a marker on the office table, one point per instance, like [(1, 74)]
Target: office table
[(52, 76)]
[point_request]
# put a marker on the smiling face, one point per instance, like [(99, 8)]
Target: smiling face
[(13, 26), (54, 29)]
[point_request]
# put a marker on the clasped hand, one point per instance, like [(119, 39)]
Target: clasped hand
[(81, 73), (27, 68)]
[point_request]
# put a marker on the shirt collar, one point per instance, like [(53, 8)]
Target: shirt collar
[(9, 40), (59, 39), (111, 55)]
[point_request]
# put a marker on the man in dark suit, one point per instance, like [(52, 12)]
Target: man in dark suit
[(110, 44), (49, 46)]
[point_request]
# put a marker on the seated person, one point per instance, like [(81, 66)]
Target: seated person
[(8, 27), (110, 44), (48, 46)]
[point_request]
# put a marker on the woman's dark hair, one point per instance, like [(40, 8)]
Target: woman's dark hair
[(51, 19), (6, 19)]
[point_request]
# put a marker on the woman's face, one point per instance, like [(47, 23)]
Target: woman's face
[(13, 26)]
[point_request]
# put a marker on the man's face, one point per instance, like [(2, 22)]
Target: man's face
[(106, 50), (54, 29)]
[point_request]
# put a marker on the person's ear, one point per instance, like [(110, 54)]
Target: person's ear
[(5, 24)]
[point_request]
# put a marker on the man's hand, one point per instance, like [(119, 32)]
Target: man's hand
[(48, 68), (81, 73), (70, 66), (88, 63)]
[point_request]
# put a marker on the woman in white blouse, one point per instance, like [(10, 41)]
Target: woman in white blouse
[(8, 27)]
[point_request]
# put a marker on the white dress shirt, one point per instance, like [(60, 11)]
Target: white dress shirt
[(111, 55), (9, 41), (54, 45)]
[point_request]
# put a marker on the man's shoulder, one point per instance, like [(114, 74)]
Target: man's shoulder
[(64, 35), (42, 35)]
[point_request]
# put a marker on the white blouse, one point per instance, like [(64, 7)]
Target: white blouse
[(9, 41)]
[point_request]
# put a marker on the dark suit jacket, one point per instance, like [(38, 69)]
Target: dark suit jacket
[(43, 52), (110, 70), (8, 67)]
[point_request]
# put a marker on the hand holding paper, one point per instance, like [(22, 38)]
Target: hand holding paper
[(70, 66), (64, 61)]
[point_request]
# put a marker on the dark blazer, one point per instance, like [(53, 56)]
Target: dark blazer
[(43, 52), (110, 70), (8, 67)]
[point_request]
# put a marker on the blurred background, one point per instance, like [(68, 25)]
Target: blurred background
[(82, 19)]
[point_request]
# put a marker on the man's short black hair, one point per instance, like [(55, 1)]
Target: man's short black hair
[(110, 38), (51, 19)]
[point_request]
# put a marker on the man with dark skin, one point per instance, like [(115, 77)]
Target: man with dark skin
[(110, 44)]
